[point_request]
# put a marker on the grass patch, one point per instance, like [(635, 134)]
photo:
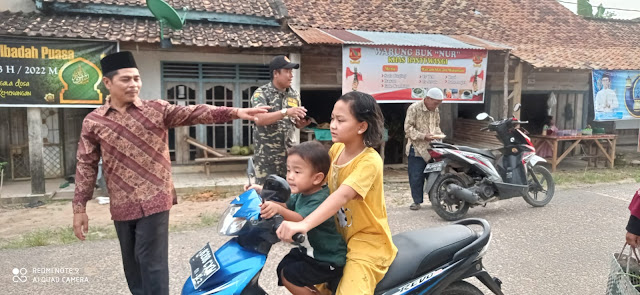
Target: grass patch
[(56, 236), (65, 235), (592, 176), (209, 218), (176, 228), (99, 233), (37, 238)]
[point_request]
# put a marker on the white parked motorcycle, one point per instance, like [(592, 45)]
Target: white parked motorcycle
[(459, 177)]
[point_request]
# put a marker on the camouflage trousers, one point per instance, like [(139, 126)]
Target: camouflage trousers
[(266, 165)]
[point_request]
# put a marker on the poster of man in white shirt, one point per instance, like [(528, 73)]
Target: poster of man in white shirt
[(606, 100), (616, 94)]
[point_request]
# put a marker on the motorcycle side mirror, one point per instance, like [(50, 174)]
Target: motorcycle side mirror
[(517, 107), (482, 116), (251, 171), (275, 189)]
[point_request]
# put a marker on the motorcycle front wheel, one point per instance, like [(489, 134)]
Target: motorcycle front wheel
[(461, 288), (446, 206), (541, 187)]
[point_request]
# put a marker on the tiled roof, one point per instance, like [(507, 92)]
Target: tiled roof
[(336, 37), (546, 34), (244, 7), (542, 32), (623, 34), (315, 36), (486, 44), (145, 30), (425, 16)]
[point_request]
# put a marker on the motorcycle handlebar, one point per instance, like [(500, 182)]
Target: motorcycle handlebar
[(297, 238)]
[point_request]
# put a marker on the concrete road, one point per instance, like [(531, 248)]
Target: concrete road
[(562, 248)]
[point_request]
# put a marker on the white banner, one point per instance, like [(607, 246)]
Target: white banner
[(405, 73)]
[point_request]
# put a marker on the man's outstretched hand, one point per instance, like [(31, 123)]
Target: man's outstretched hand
[(250, 113)]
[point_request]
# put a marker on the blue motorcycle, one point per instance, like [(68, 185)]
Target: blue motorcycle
[(429, 261)]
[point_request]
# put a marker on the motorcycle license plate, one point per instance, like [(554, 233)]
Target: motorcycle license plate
[(434, 167), (203, 265)]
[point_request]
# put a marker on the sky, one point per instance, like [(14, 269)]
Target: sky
[(626, 4)]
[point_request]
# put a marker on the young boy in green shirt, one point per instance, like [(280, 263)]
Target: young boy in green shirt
[(321, 258)]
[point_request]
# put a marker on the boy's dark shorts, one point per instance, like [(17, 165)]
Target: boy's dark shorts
[(302, 270)]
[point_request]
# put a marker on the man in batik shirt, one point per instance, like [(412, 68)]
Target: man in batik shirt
[(131, 134)]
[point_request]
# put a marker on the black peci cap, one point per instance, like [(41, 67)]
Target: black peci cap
[(116, 61), (282, 62)]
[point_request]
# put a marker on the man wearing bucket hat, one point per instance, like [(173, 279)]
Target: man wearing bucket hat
[(130, 134), (421, 126), (273, 132)]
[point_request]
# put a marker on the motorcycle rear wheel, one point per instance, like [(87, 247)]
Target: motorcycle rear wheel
[(461, 288), (445, 205), (547, 184)]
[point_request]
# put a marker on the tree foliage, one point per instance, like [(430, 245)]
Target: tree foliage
[(586, 9)]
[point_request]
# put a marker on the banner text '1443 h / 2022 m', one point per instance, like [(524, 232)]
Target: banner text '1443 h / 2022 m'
[(51, 73)]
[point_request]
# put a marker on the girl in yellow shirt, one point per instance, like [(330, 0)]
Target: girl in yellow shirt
[(357, 194)]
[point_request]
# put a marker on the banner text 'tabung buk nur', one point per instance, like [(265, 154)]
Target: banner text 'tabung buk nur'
[(405, 73)]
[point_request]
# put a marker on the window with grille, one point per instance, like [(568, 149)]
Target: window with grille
[(228, 85)]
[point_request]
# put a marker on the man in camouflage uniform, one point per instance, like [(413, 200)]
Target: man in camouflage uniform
[(273, 132)]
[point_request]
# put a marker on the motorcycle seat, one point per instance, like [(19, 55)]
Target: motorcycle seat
[(484, 152), (421, 251)]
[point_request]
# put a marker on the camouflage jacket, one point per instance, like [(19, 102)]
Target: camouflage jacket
[(274, 138)]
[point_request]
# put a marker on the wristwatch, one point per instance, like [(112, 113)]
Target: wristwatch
[(284, 113)]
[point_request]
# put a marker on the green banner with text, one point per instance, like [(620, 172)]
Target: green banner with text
[(52, 73)]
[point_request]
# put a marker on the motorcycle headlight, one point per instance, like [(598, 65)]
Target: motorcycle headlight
[(230, 225)]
